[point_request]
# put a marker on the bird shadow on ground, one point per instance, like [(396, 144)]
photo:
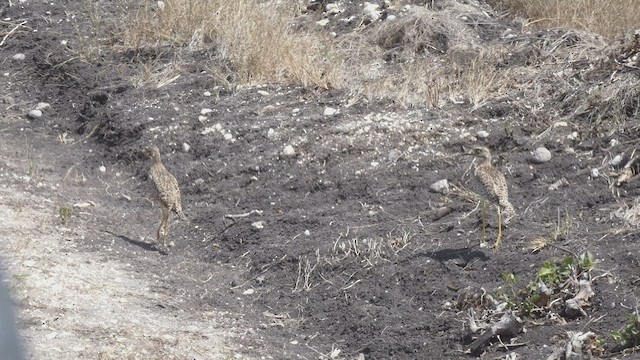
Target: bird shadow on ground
[(466, 254), (144, 245)]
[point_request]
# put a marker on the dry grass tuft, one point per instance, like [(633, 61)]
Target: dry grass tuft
[(610, 18), (426, 57), (256, 38)]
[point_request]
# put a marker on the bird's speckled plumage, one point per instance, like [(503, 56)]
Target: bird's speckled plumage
[(490, 184), (167, 191)]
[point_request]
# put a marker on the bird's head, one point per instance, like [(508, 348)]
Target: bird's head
[(479, 151), (152, 151)]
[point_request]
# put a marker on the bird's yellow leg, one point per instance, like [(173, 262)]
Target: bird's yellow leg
[(159, 236), (484, 222), (499, 239), (165, 223)]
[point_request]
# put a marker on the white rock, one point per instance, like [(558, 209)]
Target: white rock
[(440, 186), (374, 164), (595, 173), (329, 111), (102, 169), (186, 147), (613, 143), (64, 42), (295, 110), (208, 130), (271, 132), (205, 111), (35, 114), (482, 134), (333, 8), (18, 56), (573, 136), (258, 224), (322, 22), (206, 93), (372, 11), (307, 233), (391, 17), (616, 160), (42, 106), (263, 93), (228, 136), (202, 118), (288, 151), (199, 181), (542, 154), (248, 292), (81, 205)]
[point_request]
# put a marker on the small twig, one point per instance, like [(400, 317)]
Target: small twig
[(236, 216), (11, 32)]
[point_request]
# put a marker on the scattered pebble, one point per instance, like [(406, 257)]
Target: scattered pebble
[(440, 186), (228, 136), (102, 169), (333, 8), (186, 147), (322, 22), (614, 143), (595, 173), (199, 181), (374, 164), (270, 132), (248, 292), (263, 93), (64, 42), (307, 232), (19, 56), (541, 155), (202, 118), (81, 205), (482, 134), (329, 111), (258, 224), (288, 151), (616, 160), (206, 93), (42, 106), (205, 111), (372, 11), (573, 136), (35, 114)]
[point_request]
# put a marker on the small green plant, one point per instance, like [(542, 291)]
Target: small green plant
[(550, 283), (65, 214), (629, 335)]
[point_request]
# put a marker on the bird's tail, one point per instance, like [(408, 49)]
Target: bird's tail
[(509, 212), (182, 216)]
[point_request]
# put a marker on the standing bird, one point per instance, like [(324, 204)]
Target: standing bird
[(490, 185), (167, 192)]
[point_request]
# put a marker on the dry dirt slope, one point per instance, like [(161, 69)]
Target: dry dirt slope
[(87, 305)]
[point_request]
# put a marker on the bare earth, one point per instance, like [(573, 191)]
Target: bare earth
[(338, 250)]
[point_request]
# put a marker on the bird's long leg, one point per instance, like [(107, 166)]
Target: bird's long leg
[(165, 223), (159, 235), (499, 239), (484, 222)]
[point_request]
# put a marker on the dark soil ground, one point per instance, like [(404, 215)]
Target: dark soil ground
[(348, 251)]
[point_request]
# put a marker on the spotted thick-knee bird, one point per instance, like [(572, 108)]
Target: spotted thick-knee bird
[(167, 191), (491, 186)]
